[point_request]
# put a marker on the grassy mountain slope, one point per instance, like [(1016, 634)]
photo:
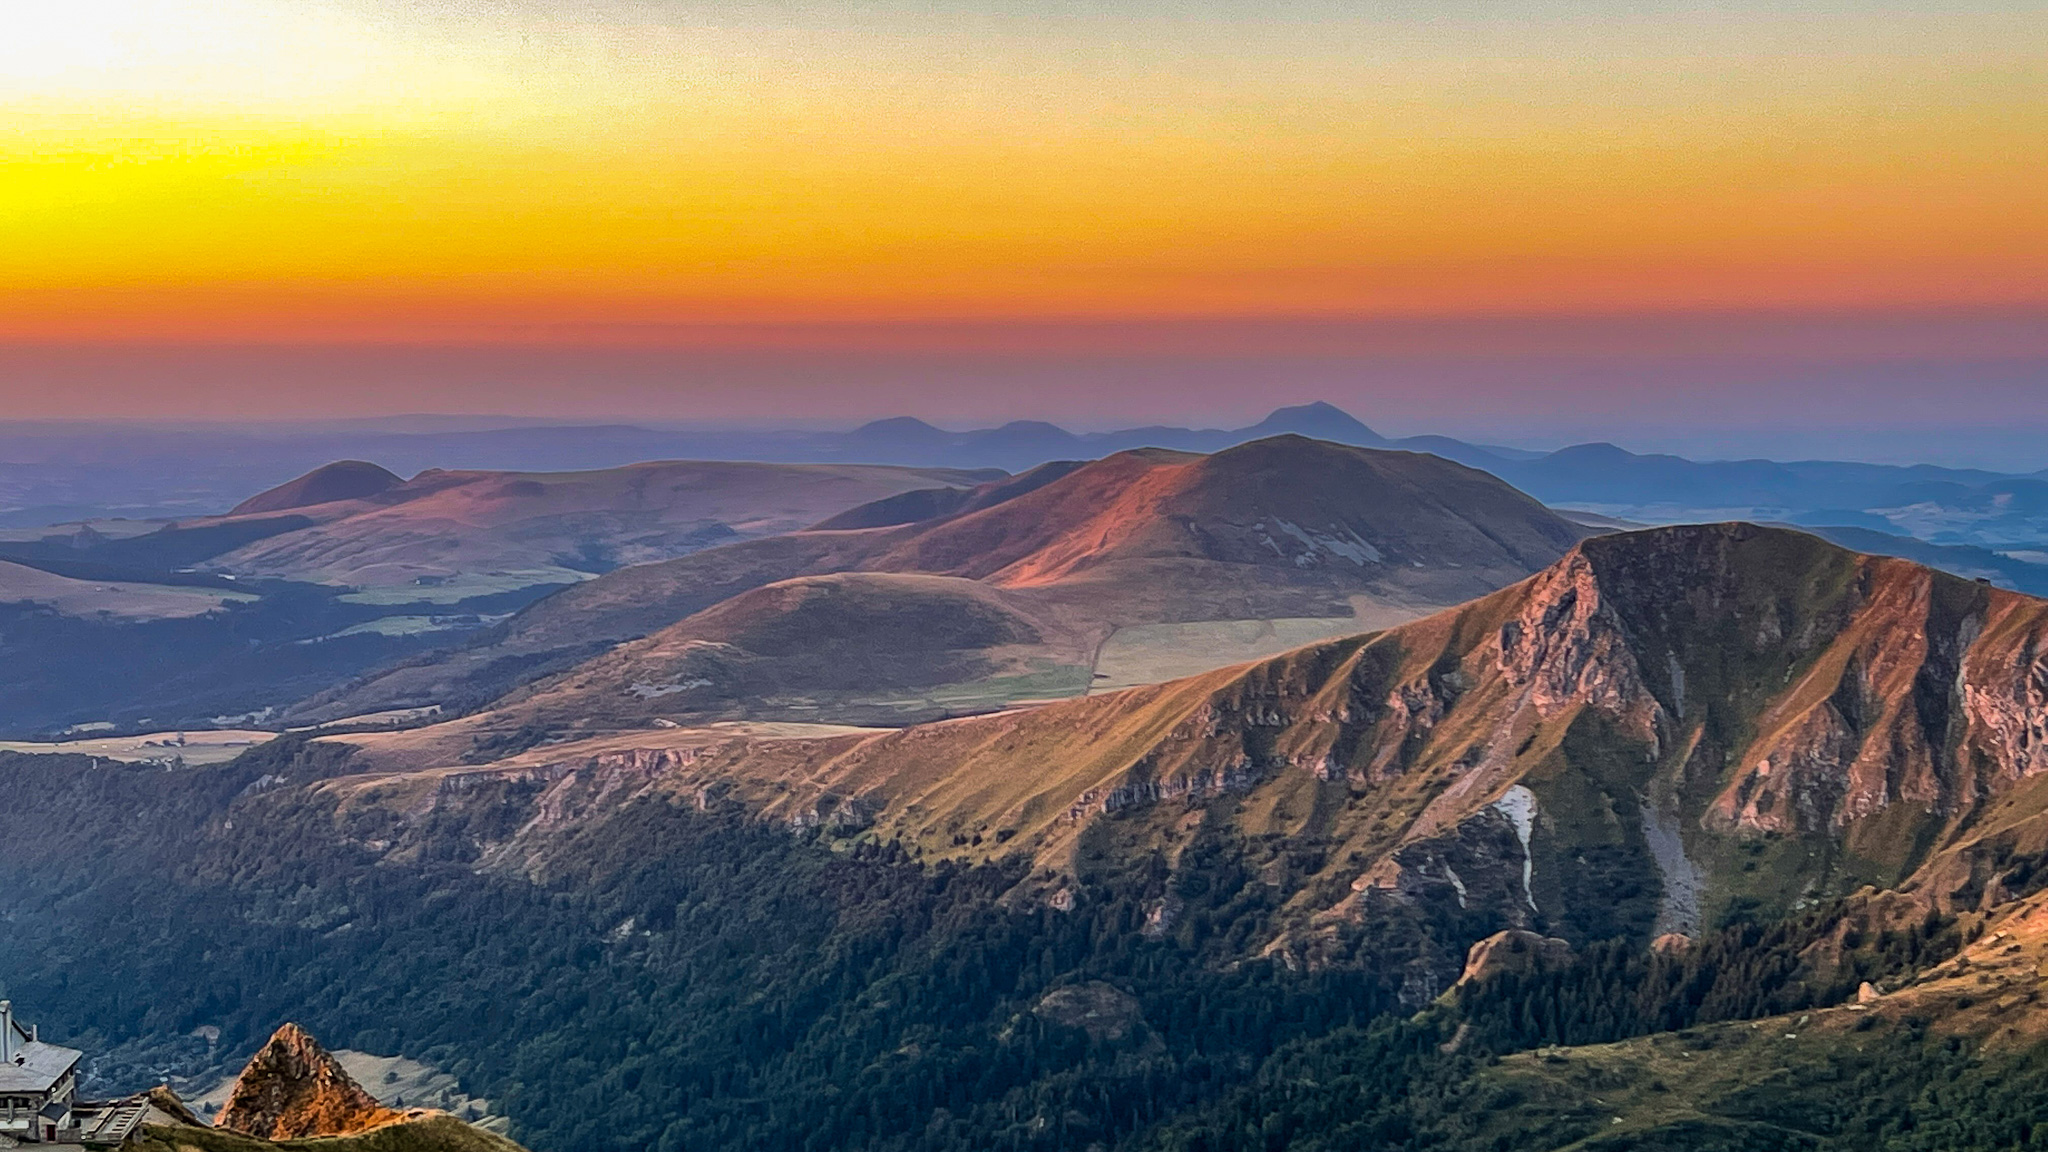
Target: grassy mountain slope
[(552, 527), (1281, 503), (1285, 527), (108, 600), (856, 646), (1943, 1051)]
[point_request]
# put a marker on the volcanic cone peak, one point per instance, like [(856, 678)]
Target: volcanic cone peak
[(293, 1088), (341, 480)]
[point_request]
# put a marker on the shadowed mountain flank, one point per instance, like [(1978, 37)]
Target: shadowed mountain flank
[(937, 503), (341, 480), (862, 645)]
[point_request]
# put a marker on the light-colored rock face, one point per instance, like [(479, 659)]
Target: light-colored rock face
[(1566, 649), (1796, 782), (1857, 683), (1929, 693), (1799, 691), (2004, 687), (293, 1089)]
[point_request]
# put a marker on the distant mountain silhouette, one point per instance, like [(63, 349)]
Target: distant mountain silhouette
[(183, 473), (932, 503), (1320, 421), (1023, 444), (1970, 506)]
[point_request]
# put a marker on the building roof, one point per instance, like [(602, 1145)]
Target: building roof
[(37, 1067), (112, 1122)]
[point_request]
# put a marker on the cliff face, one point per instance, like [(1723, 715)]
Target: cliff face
[(293, 1088), (1727, 711)]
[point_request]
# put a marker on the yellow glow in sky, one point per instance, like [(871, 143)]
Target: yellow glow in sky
[(256, 170)]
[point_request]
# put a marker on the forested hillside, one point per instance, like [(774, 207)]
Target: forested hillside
[(695, 979)]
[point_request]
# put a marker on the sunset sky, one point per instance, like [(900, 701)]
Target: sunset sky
[(764, 179)]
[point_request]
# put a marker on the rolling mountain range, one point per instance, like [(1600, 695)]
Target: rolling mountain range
[(57, 473), (481, 532), (1469, 827), (1700, 837), (223, 619), (1939, 505), (230, 620), (355, 526), (51, 474), (1279, 529)]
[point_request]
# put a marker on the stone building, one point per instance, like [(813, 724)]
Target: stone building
[(39, 1101)]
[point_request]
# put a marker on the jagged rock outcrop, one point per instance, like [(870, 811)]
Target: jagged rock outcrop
[(1514, 950), (1672, 944), (1103, 1011), (292, 1089), (165, 1106)]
